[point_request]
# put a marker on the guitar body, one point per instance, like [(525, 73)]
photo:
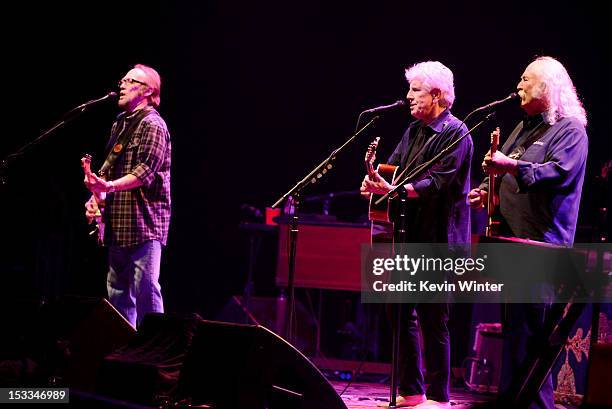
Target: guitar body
[(381, 212), (99, 198)]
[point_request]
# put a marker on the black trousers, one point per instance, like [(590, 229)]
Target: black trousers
[(525, 327), (432, 319)]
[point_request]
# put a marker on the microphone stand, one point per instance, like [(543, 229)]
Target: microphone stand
[(66, 118), (396, 310), (10, 158), (294, 196)]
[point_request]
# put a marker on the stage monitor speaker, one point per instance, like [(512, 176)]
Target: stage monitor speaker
[(231, 366), (146, 370), (90, 328), (65, 339)]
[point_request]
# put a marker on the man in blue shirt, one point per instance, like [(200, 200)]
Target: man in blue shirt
[(437, 213), (541, 168)]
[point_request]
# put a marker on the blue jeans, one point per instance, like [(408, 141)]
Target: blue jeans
[(133, 280)]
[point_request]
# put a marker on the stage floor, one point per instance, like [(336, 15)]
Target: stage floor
[(361, 395), (368, 395)]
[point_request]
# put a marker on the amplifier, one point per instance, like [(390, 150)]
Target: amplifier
[(485, 367)]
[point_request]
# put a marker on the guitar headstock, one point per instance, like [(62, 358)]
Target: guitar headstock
[(86, 163), (370, 155), (495, 139)]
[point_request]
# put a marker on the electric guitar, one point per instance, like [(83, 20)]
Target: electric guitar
[(492, 228), (380, 214), (99, 199)]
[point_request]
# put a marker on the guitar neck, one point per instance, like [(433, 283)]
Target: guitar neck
[(491, 198), (100, 198), (491, 202), (369, 169)]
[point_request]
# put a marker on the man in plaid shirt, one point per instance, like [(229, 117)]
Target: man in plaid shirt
[(137, 205)]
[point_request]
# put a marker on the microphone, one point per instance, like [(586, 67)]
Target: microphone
[(111, 94), (396, 104), (510, 97)]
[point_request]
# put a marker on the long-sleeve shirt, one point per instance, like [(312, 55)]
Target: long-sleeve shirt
[(138, 215), (440, 214), (542, 201)]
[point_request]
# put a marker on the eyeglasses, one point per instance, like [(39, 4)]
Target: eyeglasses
[(131, 81)]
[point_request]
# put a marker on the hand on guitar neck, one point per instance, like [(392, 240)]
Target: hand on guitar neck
[(492, 198), (479, 198), (497, 163), (373, 182), (493, 163)]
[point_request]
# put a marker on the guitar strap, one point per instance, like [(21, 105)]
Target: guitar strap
[(519, 150), (123, 132), (415, 157)]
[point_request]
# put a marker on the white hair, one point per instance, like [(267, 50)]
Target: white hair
[(559, 93), (434, 75)]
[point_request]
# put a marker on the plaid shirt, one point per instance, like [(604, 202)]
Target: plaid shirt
[(138, 215)]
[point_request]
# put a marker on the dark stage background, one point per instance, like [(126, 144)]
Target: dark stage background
[(255, 94)]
